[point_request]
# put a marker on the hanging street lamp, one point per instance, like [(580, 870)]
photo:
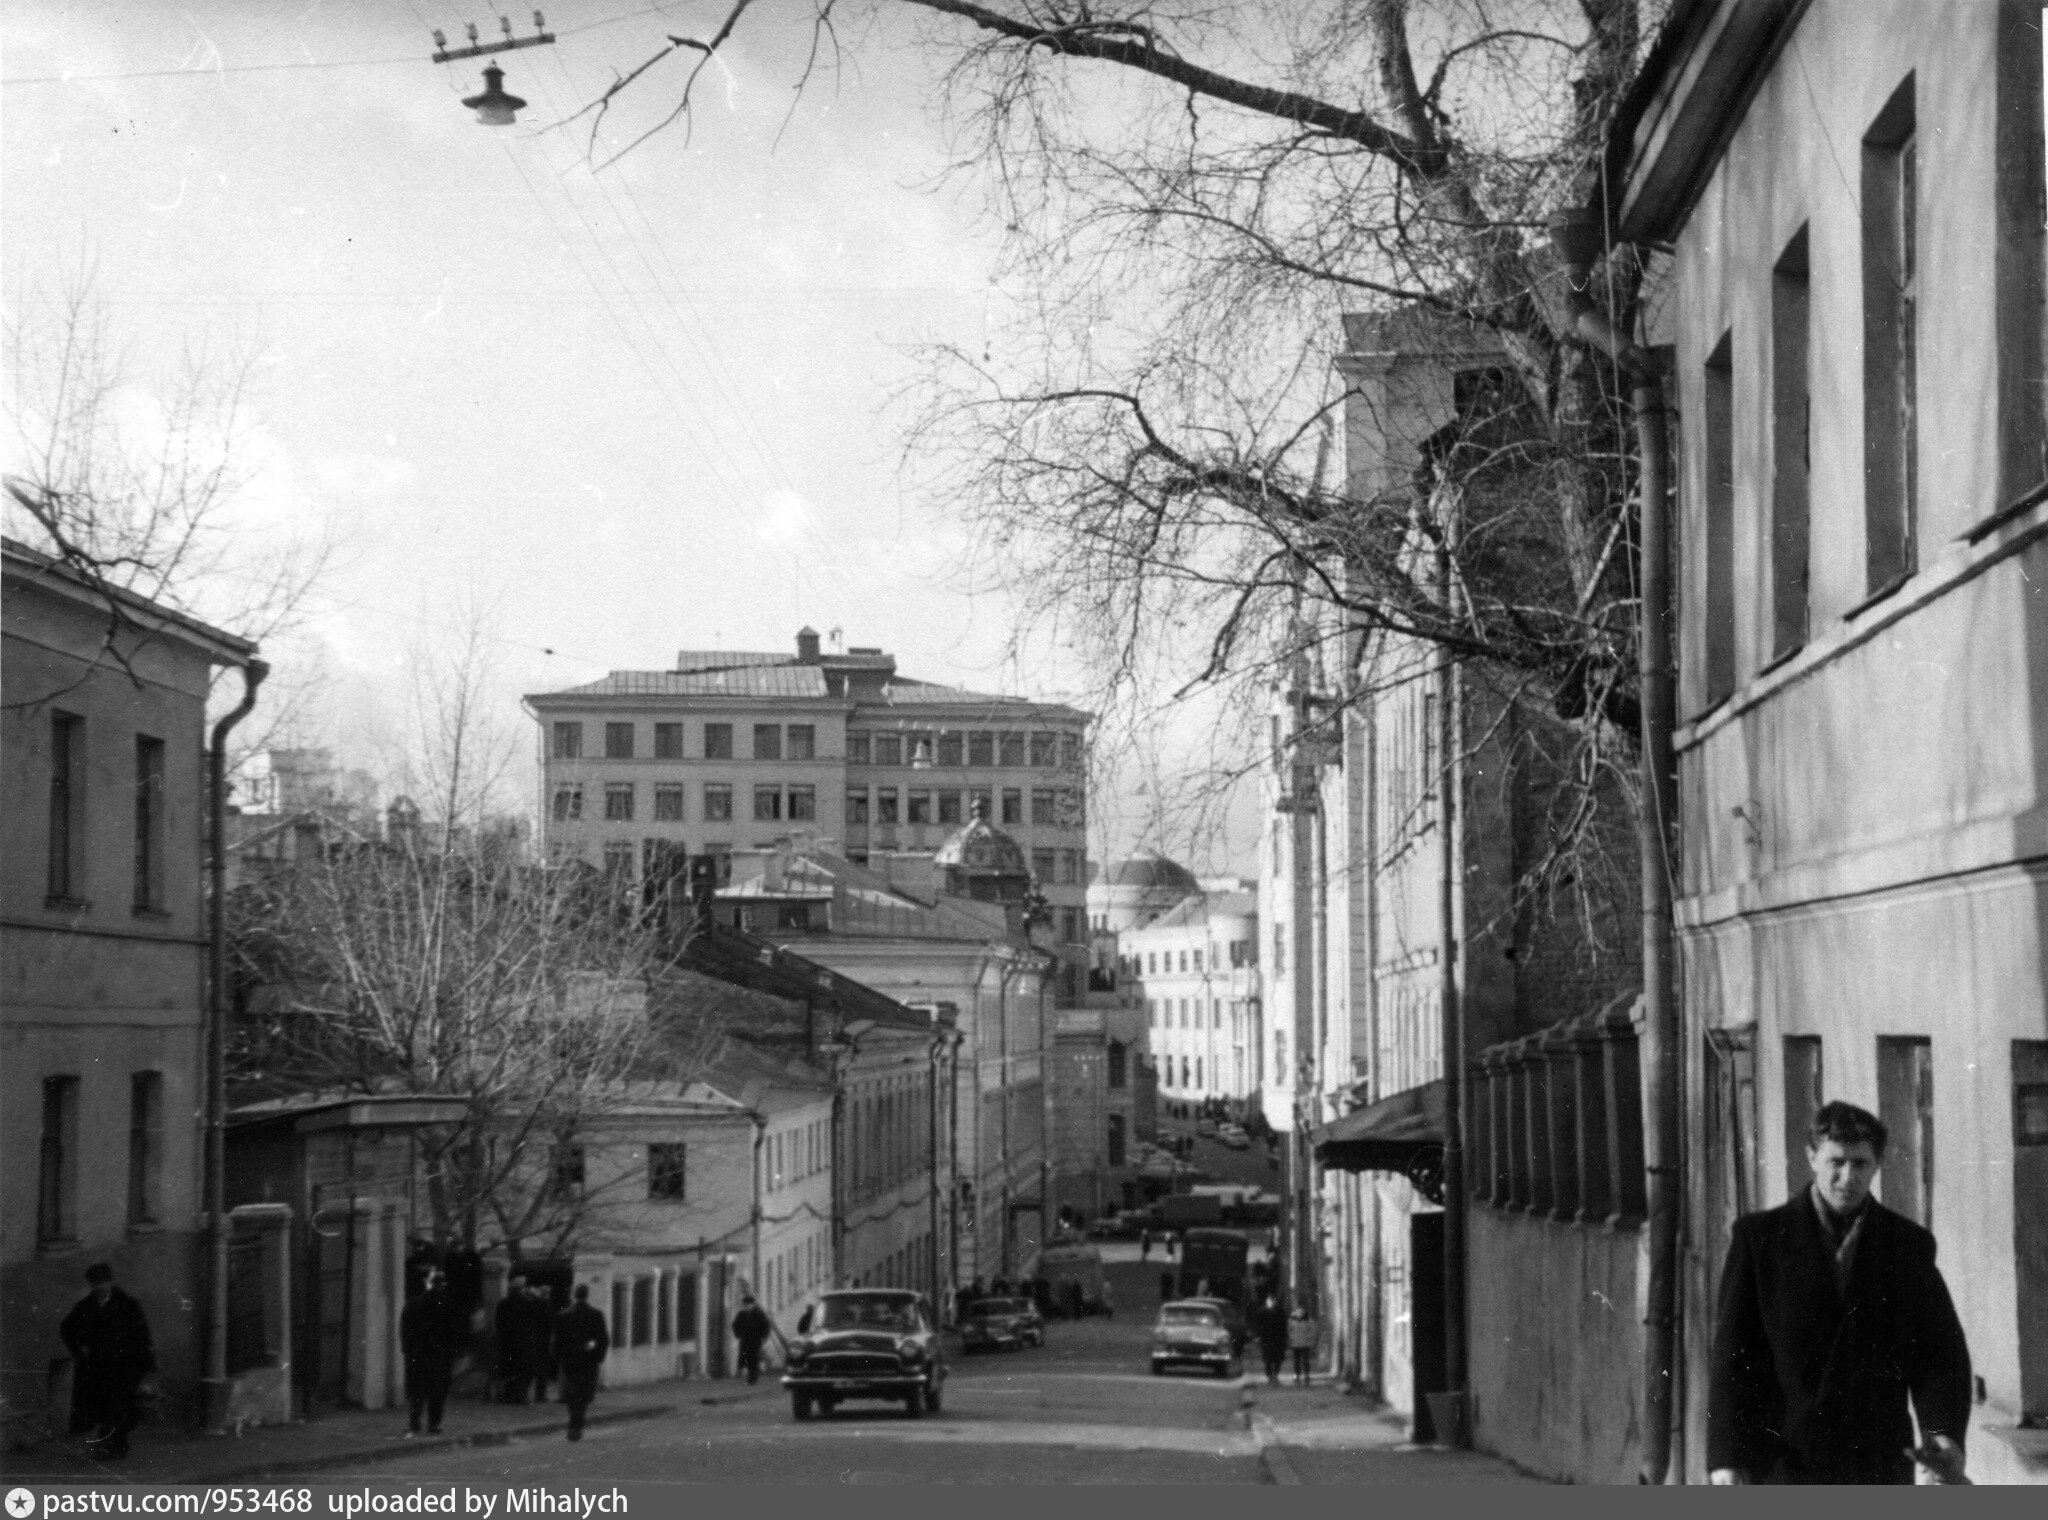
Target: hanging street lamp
[(494, 108)]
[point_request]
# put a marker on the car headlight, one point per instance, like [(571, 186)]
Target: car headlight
[(798, 1355), (911, 1352)]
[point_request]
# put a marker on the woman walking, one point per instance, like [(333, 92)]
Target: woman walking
[(1301, 1340)]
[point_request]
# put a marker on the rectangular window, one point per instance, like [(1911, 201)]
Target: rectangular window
[(67, 806), (857, 806), (920, 806), (149, 823), (57, 1175), (1070, 752), (885, 805), (1010, 748), (981, 748), (1044, 866), (718, 741), (666, 1172), (1042, 807), (949, 807), (618, 802), (1718, 601), (1070, 869), (618, 741), (1070, 925), (717, 804), (568, 803), (1116, 1123), (857, 749), (668, 741), (668, 804), (888, 749), (803, 804), (618, 860), (1890, 345), (568, 741), (1803, 1085), (567, 1170), (1791, 447), (1044, 749), (803, 741), (767, 741), (1013, 805), (767, 803), (145, 1146), (1905, 1102)]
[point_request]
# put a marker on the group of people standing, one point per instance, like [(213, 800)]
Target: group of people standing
[(536, 1346)]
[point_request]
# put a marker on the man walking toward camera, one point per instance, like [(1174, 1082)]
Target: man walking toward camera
[(107, 1335), (1832, 1316)]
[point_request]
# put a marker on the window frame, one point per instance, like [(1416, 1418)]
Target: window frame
[(718, 741)]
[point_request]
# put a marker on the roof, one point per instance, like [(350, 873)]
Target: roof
[(982, 849), (1203, 906), (1403, 1133), (1149, 868), (733, 680), (36, 568)]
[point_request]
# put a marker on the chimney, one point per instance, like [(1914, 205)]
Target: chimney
[(807, 646)]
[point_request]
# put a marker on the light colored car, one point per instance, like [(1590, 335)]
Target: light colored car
[(866, 1343), (1196, 1333), (1205, 1127), (1234, 1137)]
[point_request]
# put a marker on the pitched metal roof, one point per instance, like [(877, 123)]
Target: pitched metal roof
[(733, 680)]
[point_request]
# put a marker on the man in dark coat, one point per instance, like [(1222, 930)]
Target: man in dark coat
[(431, 1333), (1269, 1326), (107, 1335), (512, 1321), (1832, 1315), (751, 1328), (540, 1338), (581, 1341)]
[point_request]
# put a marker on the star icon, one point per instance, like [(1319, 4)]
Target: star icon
[(20, 1503)]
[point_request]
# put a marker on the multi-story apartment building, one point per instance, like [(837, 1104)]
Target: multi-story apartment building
[(102, 1025), (733, 750), (1195, 968)]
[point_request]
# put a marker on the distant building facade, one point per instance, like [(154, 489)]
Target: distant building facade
[(1195, 969)]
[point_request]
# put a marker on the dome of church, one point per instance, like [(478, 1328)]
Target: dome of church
[(1149, 869), (982, 849)]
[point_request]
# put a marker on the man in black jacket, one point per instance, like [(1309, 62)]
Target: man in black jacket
[(581, 1342), (431, 1333), (751, 1327), (1832, 1315), (107, 1335)]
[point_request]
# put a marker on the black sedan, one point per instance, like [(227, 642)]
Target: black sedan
[(866, 1343)]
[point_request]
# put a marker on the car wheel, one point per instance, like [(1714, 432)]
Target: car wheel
[(913, 1403), (1159, 1369), (933, 1398), (800, 1405), (826, 1406)]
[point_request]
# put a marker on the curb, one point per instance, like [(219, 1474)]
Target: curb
[(395, 1450), (1272, 1455)]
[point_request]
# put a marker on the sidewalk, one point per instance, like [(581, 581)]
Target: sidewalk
[(1321, 1434), (349, 1438)]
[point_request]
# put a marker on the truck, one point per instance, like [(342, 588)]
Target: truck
[(1074, 1269), (1184, 1211), (1213, 1264)]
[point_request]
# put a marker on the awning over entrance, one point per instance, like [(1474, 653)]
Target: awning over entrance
[(1402, 1133)]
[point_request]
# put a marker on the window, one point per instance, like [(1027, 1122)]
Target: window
[(950, 748), (1044, 749), (618, 802), (885, 804), (1070, 868), (618, 741), (767, 803), (568, 1169), (717, 804), (568, 803), (949, 807), (803, 741), (145, 1146), (1183, 963), (1905, 1102), (149, 823), (1043, 865), (857, 749), (568, 741), (1070, 925), (1041, 807), (718, 741), (1119, 1064), (1152, 1012), (666, 1172), (1070, 752), (1013, 805), (767, 741), (1718, 603), (981, 748), (1116, 1135), (1791, 447), (857, 806), (1151, 962), (643, 1310), (57, 1176), (1183, 1013), (1198, 1072), (1803, 1079), (1215, 1013), (920, 807), (1010, 748), (618, 860), (668, 804), (888, 749), (1890, 339), (803, 804), (668, 741), (67, 806)]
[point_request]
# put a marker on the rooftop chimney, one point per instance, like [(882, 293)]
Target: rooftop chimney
[(807, 646)]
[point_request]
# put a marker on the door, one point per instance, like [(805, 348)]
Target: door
[(1426, 1315)]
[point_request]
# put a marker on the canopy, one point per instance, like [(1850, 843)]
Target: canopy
[(1403, 1132)]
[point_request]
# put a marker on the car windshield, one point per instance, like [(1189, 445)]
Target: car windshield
[(990, 1307), (1189, 1314), (867, 1314)]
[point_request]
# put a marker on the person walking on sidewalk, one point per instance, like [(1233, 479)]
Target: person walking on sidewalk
[(430, 1333), (1269, 1324), (510, 1322), (581, 1341), (1301, 1340), (751, 1327), (107, 1335)]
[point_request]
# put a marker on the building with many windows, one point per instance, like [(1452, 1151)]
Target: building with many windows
[(1195, 969)]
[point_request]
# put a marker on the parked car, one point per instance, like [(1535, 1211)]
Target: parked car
[(867, 1343), (999, 1322), (1115, 1227), (1205, 1127), (1196, 1332), (1233, 1136)]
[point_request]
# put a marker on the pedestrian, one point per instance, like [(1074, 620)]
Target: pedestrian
[(509, 1321), (1832, 1317), (107, 1334), (1269, 1324), (751, 1327), (1172, 1243), (1144, 1245), (1108, 1300), (1165, 1286), (540, 1332), (1301, 1340), (581, 1341), (429, 1336)]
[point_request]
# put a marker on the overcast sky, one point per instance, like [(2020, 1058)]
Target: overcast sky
[(625, 412)]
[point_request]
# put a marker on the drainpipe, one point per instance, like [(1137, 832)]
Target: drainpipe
[(941, 1300), (1580, 240), (214, 1389), (760, 1144)]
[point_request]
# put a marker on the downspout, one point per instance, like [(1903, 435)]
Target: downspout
[(760, 1121), (1450, 820), (941, 1302), (1369, 1196), (1580, 240), (214, 1389)]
